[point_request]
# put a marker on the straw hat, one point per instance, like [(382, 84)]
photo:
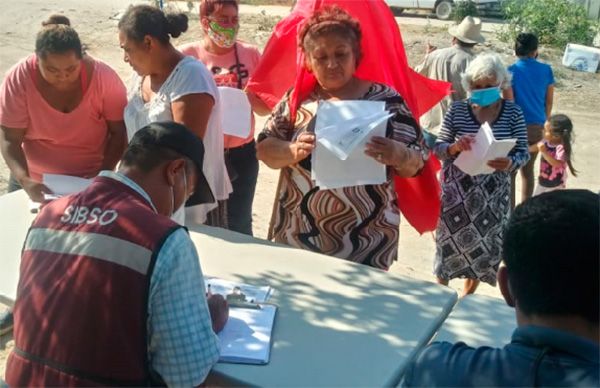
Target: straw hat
[(468, 31)]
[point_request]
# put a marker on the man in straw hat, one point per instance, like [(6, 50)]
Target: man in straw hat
[(111, 291), (448, 64)]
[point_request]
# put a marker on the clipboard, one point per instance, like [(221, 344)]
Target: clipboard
[(247, 337)]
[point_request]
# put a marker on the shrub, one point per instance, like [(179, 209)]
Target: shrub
[(462, 9), (555, 22)]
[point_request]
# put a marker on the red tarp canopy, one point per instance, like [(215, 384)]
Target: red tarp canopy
[(384, 61)]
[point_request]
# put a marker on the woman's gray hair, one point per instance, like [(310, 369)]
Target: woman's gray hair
[(484, 66)]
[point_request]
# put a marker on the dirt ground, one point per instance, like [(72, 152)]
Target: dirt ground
[(577, 94)]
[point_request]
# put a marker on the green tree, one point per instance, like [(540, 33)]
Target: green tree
[(462, 9), (555, 22)]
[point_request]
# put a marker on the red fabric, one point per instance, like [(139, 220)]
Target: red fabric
[(384, 61)]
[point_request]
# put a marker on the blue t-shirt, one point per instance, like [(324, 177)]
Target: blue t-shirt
[(536, 354), (530, 82)]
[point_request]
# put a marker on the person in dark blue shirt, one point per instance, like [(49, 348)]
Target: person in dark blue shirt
[(533, 90), (551, 251)]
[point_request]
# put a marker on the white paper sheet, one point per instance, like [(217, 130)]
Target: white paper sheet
[(484, 149), (246, 337), (343, 137), (62, 185), (236, 112), (328, 170)]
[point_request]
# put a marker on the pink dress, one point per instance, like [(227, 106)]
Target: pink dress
[(62, 143)]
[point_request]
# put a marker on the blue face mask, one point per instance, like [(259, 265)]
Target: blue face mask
[(485, 97)]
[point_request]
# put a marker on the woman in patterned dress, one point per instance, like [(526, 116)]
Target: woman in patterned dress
[(475, 208), (357, 223)]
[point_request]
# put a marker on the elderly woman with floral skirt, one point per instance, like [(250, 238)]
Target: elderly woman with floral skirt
[(475, 208)]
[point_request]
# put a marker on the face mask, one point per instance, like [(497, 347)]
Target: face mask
[(485, 97), (223, 37), (179, 214)]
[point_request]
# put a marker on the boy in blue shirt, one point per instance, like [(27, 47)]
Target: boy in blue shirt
[(533, 91)]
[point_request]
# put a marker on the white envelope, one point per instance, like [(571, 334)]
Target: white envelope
[(236, 112), (328, 170)]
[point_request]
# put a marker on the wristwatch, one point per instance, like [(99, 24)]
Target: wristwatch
[(424, 151)]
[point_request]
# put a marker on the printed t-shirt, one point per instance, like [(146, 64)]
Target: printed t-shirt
[(188, 77), (62, 143), (530, 81), (227, 71)]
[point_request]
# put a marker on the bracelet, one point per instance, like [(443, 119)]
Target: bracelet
[(424, 155)]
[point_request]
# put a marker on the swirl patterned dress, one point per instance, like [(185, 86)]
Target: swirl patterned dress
[(358, 223), (475, 208)]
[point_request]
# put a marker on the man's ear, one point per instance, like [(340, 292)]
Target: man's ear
[(505, 286), (173, 169)]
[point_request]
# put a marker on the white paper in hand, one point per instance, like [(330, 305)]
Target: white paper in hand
[(483, 149), (328, 170), (343, 137), (236, 112), (62, 185)]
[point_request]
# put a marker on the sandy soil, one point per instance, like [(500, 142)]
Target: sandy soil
[(577, 94)]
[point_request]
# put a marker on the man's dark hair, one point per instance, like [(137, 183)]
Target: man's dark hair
[(147, 157), (525, 44), (552, 250), (465, 44)]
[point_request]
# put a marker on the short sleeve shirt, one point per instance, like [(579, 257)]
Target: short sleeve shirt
[(227, 70), (551, 176), (565, 360), (188, 77), (56, 142), (530, 82)]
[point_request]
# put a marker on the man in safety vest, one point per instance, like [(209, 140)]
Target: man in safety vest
[(111, 291)]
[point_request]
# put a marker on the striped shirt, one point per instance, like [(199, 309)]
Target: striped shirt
[(460, 120)]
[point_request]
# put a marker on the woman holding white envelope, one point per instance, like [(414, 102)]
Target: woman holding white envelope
[(475, 208), (359, 222)]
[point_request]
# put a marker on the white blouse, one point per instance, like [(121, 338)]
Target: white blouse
[(189, 77)]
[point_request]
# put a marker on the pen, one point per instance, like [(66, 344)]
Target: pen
[(244, 305)]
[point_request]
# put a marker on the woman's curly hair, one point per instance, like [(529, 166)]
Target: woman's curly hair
[(330, 20)]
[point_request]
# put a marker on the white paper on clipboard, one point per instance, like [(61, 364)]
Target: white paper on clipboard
[(328, 170), (236, 112)]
